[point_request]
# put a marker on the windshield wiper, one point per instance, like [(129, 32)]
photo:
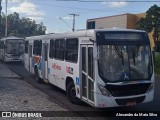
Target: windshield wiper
[(133, 55), (119, 53)]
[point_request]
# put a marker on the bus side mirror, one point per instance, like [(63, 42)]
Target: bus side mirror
[(92, 40)]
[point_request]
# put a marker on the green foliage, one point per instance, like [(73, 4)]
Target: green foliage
[(157, 64), (158, 46), (151, 22), (144, 24), (21, 27)]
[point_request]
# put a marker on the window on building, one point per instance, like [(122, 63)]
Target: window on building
[(51, 52), (71, 53), (91, 25), (37, 48), (59, 49), (26, 47)]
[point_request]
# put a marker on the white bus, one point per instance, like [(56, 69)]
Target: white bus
[(104, 68), (12, 49)]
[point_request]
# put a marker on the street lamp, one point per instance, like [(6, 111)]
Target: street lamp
[(65, 23)]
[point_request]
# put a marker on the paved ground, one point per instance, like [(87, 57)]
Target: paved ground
[(18, 95)]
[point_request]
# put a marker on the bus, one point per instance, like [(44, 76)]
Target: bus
[(104, 68), (12, 49)]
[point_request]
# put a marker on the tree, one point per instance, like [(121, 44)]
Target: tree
[(2, 25), (151, 23), (21, 27), (145, 24)]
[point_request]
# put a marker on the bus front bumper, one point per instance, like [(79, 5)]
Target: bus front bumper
[(11, 59), (104, 101)]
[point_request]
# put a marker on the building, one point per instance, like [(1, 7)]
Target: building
[(127, 21)]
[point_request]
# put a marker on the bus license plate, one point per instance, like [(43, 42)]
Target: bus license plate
[(131, 103)]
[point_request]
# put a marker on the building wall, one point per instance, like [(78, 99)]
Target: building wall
[(131, 21), (110, 22), (127, 20)]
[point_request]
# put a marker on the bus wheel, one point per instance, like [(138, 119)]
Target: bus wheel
[(71, 93), (36, 76)]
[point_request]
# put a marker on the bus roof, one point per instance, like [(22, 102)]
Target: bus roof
[(11, 38), (82, 33)]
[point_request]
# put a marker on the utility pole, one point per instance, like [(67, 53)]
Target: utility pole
[(6, 20), (0, 10), (74, 15), (0, 19)]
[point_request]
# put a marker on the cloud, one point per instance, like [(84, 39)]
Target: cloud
[(67, 18), (27, 8), (115, 4), (35, 18), (13, 1), (104, 3)]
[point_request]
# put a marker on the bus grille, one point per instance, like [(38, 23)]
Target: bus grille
[(127, 90), (15, 57), (125, 101)]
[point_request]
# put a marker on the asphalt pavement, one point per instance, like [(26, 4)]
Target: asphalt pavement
[(20, 100)]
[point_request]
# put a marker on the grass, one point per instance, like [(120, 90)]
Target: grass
[(157, 64)]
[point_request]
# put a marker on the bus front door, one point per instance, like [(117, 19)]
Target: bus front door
[(87, 76), (45, 61), (30, 58)]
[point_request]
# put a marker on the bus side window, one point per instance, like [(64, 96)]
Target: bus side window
[(51, 51), (59, 49), (37, 47), (26, 47), (2, 45), (71, 53), (40, 48)]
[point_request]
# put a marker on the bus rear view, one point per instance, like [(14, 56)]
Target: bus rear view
[(125, 74)]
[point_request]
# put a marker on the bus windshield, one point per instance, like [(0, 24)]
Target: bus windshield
[(124, 61), (15, 47)]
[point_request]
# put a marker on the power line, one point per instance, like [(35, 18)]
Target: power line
[(78, 8), (65, 22), (108, 9), (109, 0)]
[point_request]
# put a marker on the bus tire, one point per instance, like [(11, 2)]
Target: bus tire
[(36, 76), (71, 93)]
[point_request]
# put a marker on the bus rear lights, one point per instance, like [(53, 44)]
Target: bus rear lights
[(103, 90)]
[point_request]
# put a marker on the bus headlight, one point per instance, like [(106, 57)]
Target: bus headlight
[(103, 90), (151, 87), (22, 57), (8, 56)]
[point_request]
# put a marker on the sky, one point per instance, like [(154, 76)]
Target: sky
[(50, 11)]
